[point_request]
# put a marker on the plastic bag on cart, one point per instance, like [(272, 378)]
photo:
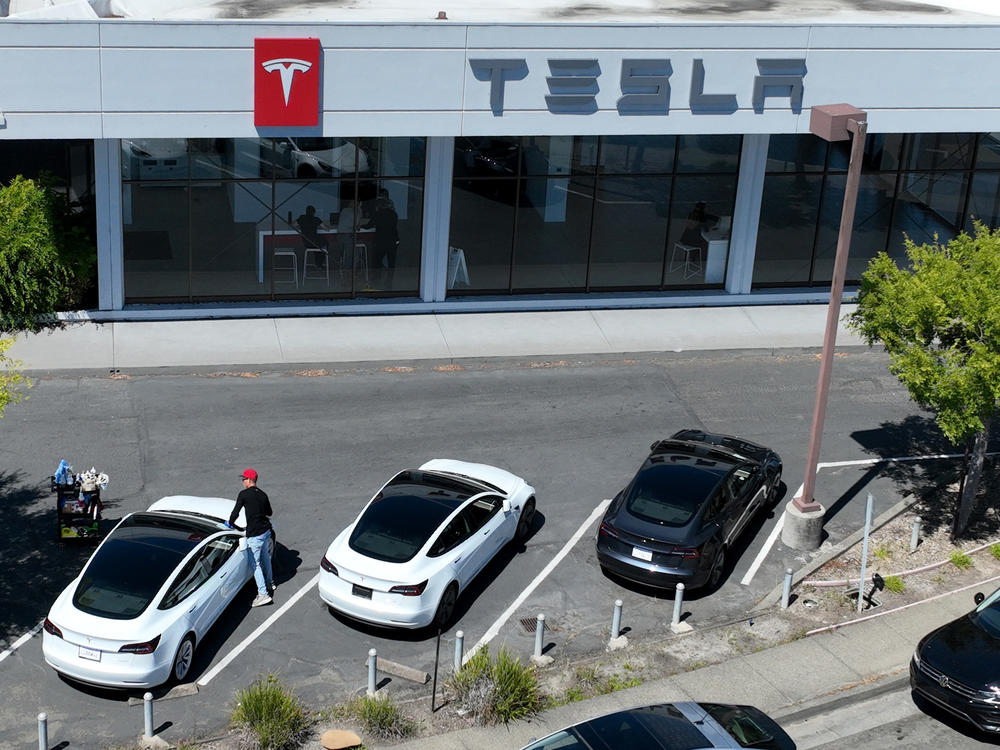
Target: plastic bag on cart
[(64, 473)]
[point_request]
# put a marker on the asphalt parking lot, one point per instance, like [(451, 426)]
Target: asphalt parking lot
[(324, 440)]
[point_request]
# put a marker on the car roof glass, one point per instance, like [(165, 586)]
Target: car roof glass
[(403, 516), (134, 562), (749, 726), (670, 494), (652, 727)]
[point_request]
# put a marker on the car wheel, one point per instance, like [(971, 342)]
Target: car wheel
[(718, 569), (184, 658), (526, 519), (446, 607)]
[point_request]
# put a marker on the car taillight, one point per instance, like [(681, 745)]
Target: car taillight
[(608, 530), (409, 590), (50, 628), (146, 647), (686, 552), (329, 567)]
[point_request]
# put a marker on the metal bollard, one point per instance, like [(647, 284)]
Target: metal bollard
[(43, 731), (678, 604), (539, 631), (459, 649), (147, 713), (372, 667), (915, 536), (786, 589), (616, 619)]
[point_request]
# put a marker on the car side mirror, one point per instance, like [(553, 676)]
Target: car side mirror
[(243, 542), (979, 598), (506, 505)]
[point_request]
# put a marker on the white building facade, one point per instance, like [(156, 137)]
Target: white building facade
[(250, 167)]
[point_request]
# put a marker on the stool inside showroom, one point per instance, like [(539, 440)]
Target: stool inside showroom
[(686, 258), (286, 261)]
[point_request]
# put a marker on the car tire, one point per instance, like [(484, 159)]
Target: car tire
[(718, 569), (446, 607), (525, 520), (183, 659)]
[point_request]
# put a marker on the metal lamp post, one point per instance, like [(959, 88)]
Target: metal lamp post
[(803, 524)]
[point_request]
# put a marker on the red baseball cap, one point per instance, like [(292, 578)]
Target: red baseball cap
[(249, 474)]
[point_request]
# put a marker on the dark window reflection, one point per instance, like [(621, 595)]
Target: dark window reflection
[(482, 235), (988, 156), (708, 153), (637, 154), (241, 226), (984, 201), (788, 215), (553, 232), (630, 226), (796, 153)]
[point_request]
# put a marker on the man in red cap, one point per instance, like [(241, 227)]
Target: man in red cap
[(254, 501)]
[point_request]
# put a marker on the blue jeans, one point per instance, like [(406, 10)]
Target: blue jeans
[(262, 562)]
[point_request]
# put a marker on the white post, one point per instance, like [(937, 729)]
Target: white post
[(43, 731), (459, 649), (539, 630), (864, 551), (678, 604), (372, 666), (147, 714), (915, 536), (786, 589), (616, 619)]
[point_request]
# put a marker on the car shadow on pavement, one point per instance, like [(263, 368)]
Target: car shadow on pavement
[(37, 565), (953, 722), (473, 591)]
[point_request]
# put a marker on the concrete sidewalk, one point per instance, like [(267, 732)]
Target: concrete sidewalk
[(852, 658), (377, 338)]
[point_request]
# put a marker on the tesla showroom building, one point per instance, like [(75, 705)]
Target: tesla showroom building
[(397, 158)]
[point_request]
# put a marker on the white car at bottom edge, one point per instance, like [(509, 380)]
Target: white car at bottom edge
[(148, 594), (421, 539)]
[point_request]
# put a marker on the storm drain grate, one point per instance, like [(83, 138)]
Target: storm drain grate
[(530, 624)]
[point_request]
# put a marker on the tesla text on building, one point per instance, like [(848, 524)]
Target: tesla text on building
[(644, 84)]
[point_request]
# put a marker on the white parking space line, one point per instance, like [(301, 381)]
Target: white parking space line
[(773, 537), (210, 675), (494, 629), (21, 641)]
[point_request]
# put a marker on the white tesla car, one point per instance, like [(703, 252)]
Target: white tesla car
[(420, 541), (148, 594)]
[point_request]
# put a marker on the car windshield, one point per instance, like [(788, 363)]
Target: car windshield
[(404, 515), (987, 614), (670, 494), (134, 562), (748, 726)]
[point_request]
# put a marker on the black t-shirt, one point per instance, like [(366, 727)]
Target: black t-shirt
[(254, 501), (310, 228)]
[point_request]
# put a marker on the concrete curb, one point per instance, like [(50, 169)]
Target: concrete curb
[(837, 550)]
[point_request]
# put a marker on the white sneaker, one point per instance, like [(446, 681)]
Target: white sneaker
[(261, 600)]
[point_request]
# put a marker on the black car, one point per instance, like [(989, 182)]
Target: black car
[(955, 666), (672, 726), (680, 515)]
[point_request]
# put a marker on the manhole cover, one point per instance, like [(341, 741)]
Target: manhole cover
[(530, 624)]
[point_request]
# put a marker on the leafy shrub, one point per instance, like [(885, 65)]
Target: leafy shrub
[(11, 381), (272, 717), (380, 716), (496, 690), (995, 550), (882, 552), (894, 584), (960, 560)]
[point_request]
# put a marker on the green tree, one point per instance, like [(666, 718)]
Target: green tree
[(11, 381), (939, 320), (46, 260)]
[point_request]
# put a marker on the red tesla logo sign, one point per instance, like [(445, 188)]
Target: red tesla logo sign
[(286, 82)]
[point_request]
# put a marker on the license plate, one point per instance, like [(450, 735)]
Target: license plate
[(642, 554), (90, 653), (361, 591)]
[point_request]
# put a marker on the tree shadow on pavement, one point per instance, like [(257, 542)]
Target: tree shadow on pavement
[(932, 483), (37, 566)]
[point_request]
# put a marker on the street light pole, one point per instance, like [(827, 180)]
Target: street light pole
[(803, 525)]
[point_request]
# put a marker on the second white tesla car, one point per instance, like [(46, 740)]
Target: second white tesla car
[(148, 594), (420, 541)]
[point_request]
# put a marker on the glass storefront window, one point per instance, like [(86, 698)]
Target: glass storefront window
[(988, 155), (708, 153), (701, 217), (984, 201), (938, 151), (787, 229), (796, 153), (482, 230), (228, 219), (638, 154)]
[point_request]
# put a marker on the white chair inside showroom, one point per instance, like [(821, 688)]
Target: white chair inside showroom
[(317, 259), (286, 266), (686, 258), (361, 258)]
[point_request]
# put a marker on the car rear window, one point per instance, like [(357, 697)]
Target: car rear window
[(749, 727), (671, 493), (404, 515), (134, 563)]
